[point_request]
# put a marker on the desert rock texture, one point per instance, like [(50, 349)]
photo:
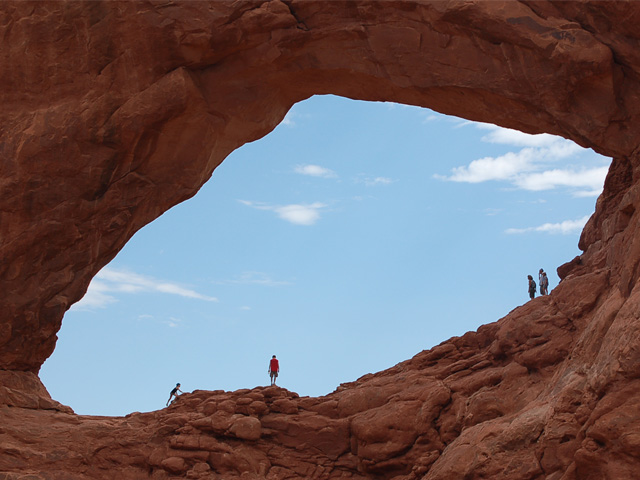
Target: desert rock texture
[(113, 112)]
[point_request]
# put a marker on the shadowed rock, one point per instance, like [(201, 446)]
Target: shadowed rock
[(113, 112)]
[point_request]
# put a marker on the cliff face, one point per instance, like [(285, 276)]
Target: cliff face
[(113, 112)]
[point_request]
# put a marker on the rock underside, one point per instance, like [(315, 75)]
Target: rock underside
[(113, 112)]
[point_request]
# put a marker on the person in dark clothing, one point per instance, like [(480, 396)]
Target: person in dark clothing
[(274, 368), (532, 287), (174, 393)]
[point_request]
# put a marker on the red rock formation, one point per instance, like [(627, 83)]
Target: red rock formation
[(112, 112)]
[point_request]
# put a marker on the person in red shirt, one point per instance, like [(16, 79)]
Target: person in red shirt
[(274, 368)]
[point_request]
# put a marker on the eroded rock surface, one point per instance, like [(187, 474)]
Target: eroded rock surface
[(113, 112)]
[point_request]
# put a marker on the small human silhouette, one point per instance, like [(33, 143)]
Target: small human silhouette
[(544, 284), (532, 287), (274, 368), (174, 393)]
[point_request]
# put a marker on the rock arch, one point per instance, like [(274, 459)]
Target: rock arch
[(113, 112)]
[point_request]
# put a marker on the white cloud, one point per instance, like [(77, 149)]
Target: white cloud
[(490, 212), (173, 322), (394, 105), (315, 171), (288, 119), (378, 181), (505, 167), (256, 205), (587, 193), (174, 289), (527, 168), (291, 117), (130, 282), (373, 181), (256, 278), (95, 297), (427, 115), (109, 282), (298, 214), (430, 118), (565, 228), (507, 136), (591, 179)]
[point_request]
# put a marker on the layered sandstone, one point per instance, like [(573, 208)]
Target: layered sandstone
[(113, 112)]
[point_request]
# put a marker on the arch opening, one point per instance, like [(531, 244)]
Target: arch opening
[(349, 239)]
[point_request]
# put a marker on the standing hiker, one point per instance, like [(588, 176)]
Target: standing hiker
[(274, 368), (532, 287), (544, 284)]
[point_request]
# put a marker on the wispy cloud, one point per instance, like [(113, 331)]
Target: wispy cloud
[(431, 118), (504, 167), (565, 228), (427, 116), (315, 171), (95, 297), (298, 214), (293, 115), (507, 136), (378, 181), (373, 181), (592, 179), (255, 278), (289, 119), (394, 105), (490, 212), (173, 322), (528, 167), (109, 282)]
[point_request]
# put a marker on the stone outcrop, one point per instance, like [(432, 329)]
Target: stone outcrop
[(113, 112)]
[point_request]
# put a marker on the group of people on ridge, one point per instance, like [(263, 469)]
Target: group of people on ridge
[(274, 365), (274, 368), (543, 282)]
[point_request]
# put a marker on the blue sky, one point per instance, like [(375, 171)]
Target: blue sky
[(349, 239)]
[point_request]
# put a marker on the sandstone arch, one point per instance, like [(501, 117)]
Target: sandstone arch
[(112, 112)]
